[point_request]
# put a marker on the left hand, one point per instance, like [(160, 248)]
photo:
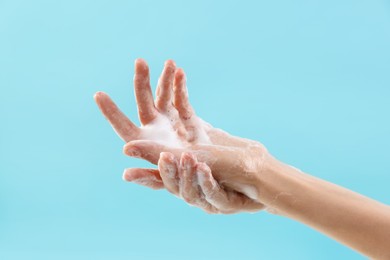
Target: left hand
[(193, 181)]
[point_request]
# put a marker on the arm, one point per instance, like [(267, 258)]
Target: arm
[(350, 218)]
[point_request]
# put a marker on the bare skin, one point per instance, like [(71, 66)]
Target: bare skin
[(220, 173)]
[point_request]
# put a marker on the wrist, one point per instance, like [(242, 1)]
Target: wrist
[(277, 184)]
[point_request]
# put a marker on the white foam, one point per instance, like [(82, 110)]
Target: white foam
[(249, 191), (171, 171), (201, 128), (160, 130)]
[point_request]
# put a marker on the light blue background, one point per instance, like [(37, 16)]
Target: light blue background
[(309, 79)]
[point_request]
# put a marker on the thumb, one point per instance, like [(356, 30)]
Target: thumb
[(148, 150), (217, 157)]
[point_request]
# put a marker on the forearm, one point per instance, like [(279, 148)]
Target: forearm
[(350, 218)]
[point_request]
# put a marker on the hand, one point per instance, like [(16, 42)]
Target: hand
[(168, 119), (170, 124), (193, 181)]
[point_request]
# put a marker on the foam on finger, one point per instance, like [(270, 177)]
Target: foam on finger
[(161, 131), (168, 172)]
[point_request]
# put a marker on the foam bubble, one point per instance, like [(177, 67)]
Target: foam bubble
[(160, 130)]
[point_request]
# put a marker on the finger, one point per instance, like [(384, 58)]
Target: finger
[(170, 174), (165, 86), (220, 159), (211, 189), (121, 124), (180, 95), (143, 93), (207, 207), (148, 150), (225, 201), (189, 189), (167, 166), (146, 177)]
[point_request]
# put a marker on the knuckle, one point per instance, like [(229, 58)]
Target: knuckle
[(210, 211), (188, 199), (229, 211), (172, 190)]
